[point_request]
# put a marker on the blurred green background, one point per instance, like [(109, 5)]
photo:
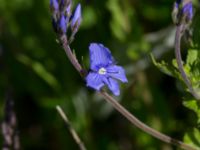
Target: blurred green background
[(37, 70)]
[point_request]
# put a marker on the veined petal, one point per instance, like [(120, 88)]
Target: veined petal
[(94, 80), (112, 85), (117, 72), (99, 56)]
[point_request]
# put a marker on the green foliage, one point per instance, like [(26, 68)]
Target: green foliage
[(166, 68), (137, 49), (192, 138), (120, 22), (192, 68), (40, 71), (193, 65), (195, 106)]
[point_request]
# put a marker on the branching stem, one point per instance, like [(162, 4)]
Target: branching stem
[(121, 109), (143, 126)]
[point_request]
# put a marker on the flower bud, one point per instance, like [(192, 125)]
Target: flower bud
[(63, 5), (54, 6), (62, 24), (76, 19), (182, 12), (188, 11)]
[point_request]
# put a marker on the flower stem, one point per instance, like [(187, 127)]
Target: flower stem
[(143, 126), (70, 55), (71, 129), (123, 110), (179, 31)]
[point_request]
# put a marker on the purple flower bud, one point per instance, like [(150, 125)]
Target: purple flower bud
[(54, 5), (182, 12), (188, 10), (76, 19), (62, 24)]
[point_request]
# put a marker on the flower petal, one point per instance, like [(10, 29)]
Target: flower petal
[(94, 81), (100, 56), (112, 85), (117, 72)]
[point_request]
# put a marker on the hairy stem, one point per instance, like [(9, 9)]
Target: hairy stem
[(124, 111), (179, 31)]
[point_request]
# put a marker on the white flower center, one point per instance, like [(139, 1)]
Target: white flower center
[(102, 71)]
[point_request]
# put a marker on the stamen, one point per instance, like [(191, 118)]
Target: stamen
[(102, 71)]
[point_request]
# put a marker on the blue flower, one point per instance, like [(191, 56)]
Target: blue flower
[(103, 69), (76, 19)]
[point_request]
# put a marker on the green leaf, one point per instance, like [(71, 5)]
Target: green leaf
[(170, 70), (193, 105), (193, 67), (192, 138), (192, 56)]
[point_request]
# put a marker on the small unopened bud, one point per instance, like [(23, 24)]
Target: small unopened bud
[(182, 12), (62, 25), (76, 19), (188, 11), (64, 4), (54, 5)]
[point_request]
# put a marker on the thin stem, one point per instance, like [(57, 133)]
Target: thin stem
[(71, 129), (179, 30), (130, 116), (70, 55), (143, 126)]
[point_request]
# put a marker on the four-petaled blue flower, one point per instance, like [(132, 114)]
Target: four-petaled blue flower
[(103, 69)]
